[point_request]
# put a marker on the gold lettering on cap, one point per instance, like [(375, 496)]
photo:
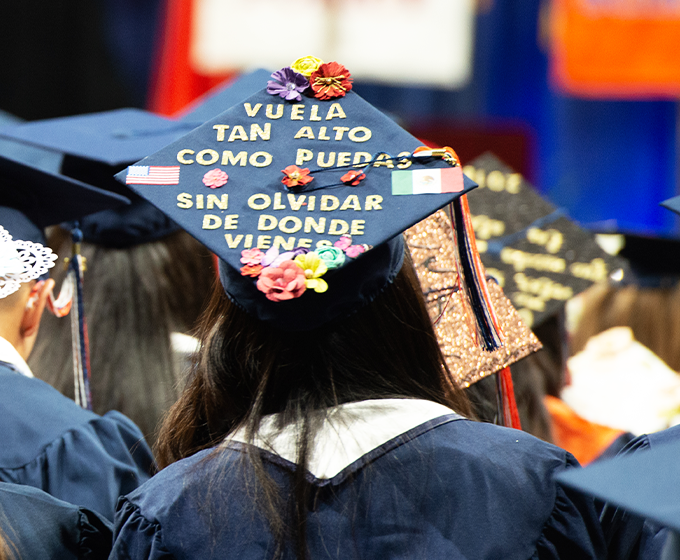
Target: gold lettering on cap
[(210, 221), (256, 130), (266, 201), (182, 159), (356, 131), (212, 157), (220, 128), (231, 221), (250, 110), (222, 203), (335, 111), (228, 158), (254, 159), (303, 155), (270, 112)]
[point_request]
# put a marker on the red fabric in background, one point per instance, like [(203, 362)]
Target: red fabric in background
[(174, 83)]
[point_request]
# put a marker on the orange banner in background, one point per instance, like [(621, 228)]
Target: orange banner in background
[(616, 48)]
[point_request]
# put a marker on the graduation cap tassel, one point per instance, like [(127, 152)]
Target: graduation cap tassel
[(473, 281), (81, 351), (507, 405)]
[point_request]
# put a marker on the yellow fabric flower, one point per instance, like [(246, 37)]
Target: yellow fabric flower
[(306, 65), (314, 267)]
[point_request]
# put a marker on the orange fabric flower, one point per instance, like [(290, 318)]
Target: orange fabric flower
[(330, 80), (287, 281), (251, 270), (353, 177), (295, 176)]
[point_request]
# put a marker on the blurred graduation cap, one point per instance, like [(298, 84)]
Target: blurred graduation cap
[(220, 98), (430, 243), (645, 483), (303, 198), (654, 262), (540, 257), (36, 157), (93, 148), (32, 199)]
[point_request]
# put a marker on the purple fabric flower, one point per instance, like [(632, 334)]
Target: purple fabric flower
[(287, 83), (269, 256), (300, 251)]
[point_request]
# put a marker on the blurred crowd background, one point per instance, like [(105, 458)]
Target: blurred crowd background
[(568, 92)]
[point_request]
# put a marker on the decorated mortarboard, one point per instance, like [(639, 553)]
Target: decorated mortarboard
[(539, 256), (220, 98), (646, 482), (303, 191), (432, 250), (434, 256), (96, 146)]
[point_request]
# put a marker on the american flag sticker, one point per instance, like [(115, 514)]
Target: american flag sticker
[(152, 175)]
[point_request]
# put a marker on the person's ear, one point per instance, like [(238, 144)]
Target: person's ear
[(35, 305)]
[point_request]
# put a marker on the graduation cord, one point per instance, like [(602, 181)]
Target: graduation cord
[(507, 405), (471, 276), (79, 337)]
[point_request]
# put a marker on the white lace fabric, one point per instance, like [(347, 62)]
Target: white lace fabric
[(21, 261)]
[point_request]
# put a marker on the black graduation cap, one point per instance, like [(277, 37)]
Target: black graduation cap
[(285, 172), (540, 257), (94, 147), (32, 199), (646, 483), (223, 96)]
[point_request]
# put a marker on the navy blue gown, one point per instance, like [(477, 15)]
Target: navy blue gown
[(50, 443), (448, 488), (628, 536), (38, 526)]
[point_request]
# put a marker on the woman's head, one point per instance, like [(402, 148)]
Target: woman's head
[(134, 299), (248, 369)]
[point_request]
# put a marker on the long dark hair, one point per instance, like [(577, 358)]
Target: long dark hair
[(247, 370), (134, 299)]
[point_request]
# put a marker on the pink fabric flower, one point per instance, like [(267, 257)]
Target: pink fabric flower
[(215, 178), (287, 281), (344, 242), (251, 256), (354, 251)]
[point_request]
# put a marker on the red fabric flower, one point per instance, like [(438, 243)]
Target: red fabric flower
[(330, 80), (251, 270), (353, 177), (295, 176), (282, 283)]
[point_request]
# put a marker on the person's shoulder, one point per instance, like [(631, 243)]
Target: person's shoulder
[(481, 441), (66, 530)]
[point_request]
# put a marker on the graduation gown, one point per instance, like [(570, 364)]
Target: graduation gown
[(50, 443), (629, 536), (444, 488), (37, 525)]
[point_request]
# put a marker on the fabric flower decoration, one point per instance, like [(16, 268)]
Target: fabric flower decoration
[(215, 178), (251, 270), (331, 256), (283, 282), (251, 256), (344, 242), (355, 250), (313, 268), (287, 84), (295, 176), (306, 65), (353, 177), (330, 80)]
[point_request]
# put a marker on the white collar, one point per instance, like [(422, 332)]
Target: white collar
[(350, 431), (9, 355)]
